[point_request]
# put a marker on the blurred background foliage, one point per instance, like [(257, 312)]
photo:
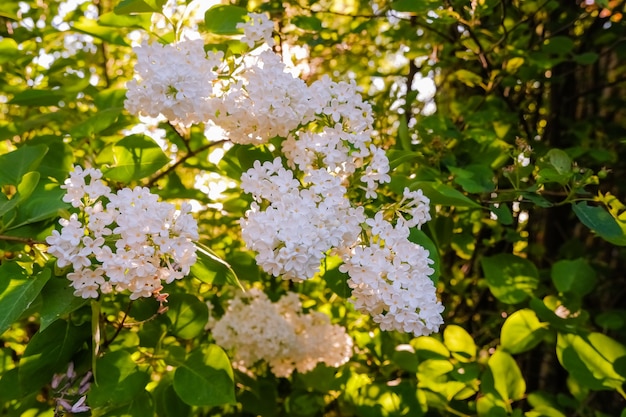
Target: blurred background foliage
[(508, 114)]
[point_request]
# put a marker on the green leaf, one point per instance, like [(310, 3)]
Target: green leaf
[(427, 347), (508, 379), (310, 23), (96, 123), (589, 359), (18, 290), (468, 78), (119, 380), (58, 160), (58, 301), (50, 352), (188, 315), (558, 45), (205, 378), (522, 331), (115, 19), (586, 58), (139, 6), (511, 279), (140, 406), (14, 165), (513, 64), (573, 276), (38, 98), (474, 178), (45, 203), (459, 342), (559, 160), (133, 158), (222, 19), (404, 140), (419, 237), (168, 403), (337, 281), (91, 27), (211, 269), (8, 49), (25, 188), (412, 6), (503, 213), (599, 220), (444, 195)]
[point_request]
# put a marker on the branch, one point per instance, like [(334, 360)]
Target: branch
[(27, 240), (188, 155)]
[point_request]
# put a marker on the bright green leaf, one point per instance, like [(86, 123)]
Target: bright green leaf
[(222, 19), (468, 78), (91, 27), (522, 331), (96, 123), (139, 6), (211, 269), (508, 379), (187, 314), (115, 19), (14, 165), (205, 378), (427, 347), (442, 194), (18, 290), (589, 359), (38, 98), (459, 342), (133, 158)]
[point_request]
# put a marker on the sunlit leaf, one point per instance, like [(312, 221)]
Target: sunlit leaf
[(211, 269), (589, 358), (522, 331), (205, 378), (133, 158), (459, 342), (14, 165), (442, 194), (50, 352), (18, 290), (508, 379), (187, 314), (222, 19)]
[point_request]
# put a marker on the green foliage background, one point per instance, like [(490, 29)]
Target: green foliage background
[(521, 161)]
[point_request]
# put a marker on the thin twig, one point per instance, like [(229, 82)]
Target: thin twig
[(27, 240), (190, 154)]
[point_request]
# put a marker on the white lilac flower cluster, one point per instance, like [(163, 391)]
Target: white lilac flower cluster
[(174, 80), (121, 241), (280, 334), (309, 203)]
